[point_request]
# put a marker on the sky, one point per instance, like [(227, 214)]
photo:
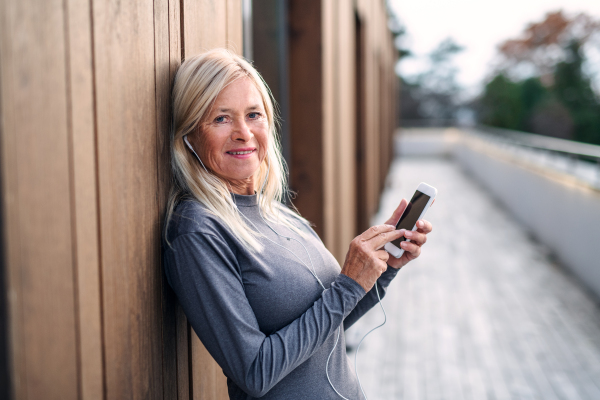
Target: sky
[(477, 25)]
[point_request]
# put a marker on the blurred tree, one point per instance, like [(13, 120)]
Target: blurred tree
[(575, 92), (533, 93), (544, 44), (502, 104), (541, 85), (432, 94), (408, 104), (410, 101), (551, 118)]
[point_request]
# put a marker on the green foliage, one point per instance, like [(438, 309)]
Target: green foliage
[(574, 91), (533, 93), (502, 103), (567, 108)]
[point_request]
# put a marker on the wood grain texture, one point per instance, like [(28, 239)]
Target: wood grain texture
[(306, 86), (204, 25), (10, 202), (208, 379), (167, 56), (330, 106), (181, 325), (346, 97), (362, 217), (234, 26), (37, 200), (184, 386), (129, 223), (372, 143), (84, 152), (84, 183)]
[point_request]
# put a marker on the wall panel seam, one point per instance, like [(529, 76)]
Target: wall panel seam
[(158, 202), (190, 359), (73, 215), (98, 197), (181, 29), (14, 308), (11, 388)]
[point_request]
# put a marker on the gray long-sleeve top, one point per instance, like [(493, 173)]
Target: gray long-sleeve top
[(264, 317)]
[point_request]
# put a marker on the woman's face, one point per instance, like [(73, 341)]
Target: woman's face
[(233, 140)]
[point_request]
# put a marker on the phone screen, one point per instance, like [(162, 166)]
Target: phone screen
[(411, 215)]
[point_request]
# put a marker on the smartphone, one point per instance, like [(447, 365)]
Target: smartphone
[(416, 208)]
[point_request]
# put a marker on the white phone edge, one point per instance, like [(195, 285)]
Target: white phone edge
[(429, 191)]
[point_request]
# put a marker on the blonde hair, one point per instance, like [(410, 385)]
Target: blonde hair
[(198, 82)]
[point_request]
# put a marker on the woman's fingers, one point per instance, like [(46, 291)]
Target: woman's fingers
[(380, 240), (413, 248), (416, 237), (375, 231), (365, 261), (424, 226), (397, 213), (382, 255)]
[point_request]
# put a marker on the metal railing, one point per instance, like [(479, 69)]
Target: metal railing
[(575, 158)]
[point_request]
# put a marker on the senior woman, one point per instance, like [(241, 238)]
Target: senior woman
[(266, 298)]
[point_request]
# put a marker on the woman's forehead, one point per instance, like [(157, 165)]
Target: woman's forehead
[(241, 94)]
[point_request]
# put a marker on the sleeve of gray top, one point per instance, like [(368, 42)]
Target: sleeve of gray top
[(204, 273), (370, 299)]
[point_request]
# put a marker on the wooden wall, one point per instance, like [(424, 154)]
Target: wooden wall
[(84, 115), (84, 97), (342, 96)]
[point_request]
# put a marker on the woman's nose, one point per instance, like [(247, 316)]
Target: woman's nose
[(241, 131)]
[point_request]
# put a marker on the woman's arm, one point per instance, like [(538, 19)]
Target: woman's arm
[(204, 273), (370, 299)]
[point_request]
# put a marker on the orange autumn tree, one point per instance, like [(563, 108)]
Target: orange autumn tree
[(543, 80), (541, 46)]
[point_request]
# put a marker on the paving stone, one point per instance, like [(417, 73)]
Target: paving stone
[(484, 313)]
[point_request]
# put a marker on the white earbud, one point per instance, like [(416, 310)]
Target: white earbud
[(185, 139)]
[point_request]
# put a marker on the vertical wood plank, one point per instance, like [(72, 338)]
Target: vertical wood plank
[(328, 29), (306, 98), (37, 200), (10, 201), (234, 26), (361, 138), (84, 185), (182, 326), (372, 144), (129, 224), (183, 351), (162, 70), (347, 128), (209, 381), (204, 25), (167, 57)]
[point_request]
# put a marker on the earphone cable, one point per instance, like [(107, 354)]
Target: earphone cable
[(314, 273)]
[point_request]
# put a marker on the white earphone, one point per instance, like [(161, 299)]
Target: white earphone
[(185, 139)]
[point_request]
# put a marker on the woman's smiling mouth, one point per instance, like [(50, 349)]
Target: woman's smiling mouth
[(242, 153)]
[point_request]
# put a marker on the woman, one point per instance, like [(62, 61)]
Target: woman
[(258, 286)]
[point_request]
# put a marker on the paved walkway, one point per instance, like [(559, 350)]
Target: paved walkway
[(484, 313)]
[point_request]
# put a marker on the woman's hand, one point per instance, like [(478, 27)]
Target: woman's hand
[(366, 260), (417, 238)]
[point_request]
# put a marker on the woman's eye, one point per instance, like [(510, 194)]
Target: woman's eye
[(220, 119), (254, 115)]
